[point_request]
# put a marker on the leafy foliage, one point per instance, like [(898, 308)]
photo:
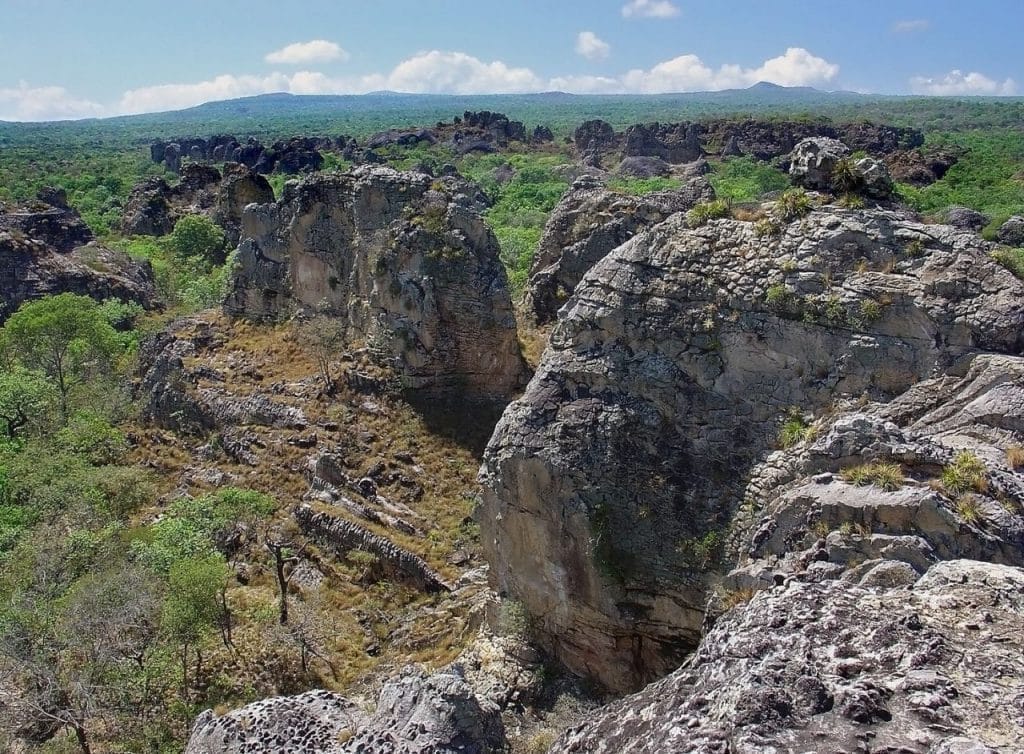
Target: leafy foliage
[(744, 179)]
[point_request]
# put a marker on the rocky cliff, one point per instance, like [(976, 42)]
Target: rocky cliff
[(405, 259), (47, 249), (590, 221), (612, 488)]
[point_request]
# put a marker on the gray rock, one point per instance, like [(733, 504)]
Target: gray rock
[(813, 160), (611, 486), (874, 178), (1011, 232), (966, 218), (643, 167), (405, 259), (826, 666), (416, 714), (590, 221)]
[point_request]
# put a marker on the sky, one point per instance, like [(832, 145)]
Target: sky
[(64, 59)]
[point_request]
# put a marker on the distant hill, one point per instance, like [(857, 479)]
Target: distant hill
[(275, 115)]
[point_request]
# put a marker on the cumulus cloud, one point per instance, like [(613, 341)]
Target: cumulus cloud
[(25, 102), (649, 9), (958, 82), (591, 46), (304, 53), (911, 25), (458, 73), (437, 72), (688, 73)]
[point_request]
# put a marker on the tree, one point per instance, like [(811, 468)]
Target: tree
[(198, 237), (25, 397), (66, 337), (325, 337)]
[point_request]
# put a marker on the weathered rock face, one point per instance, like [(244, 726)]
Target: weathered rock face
[(590, 221), (46, 249), (921, 167), (416, 714), (607, 486), (1011, 232), (595, 135), (673, 142), (295, 155), (404, 258), (813, 161), (154, 206), (927, 667)]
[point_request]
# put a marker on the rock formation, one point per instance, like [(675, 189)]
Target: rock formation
[(610, 487), (824, 164), (296, 155), (416, 714), (590, 221), (403, 258), (928, 665), (154, 206), (1011, 232), (48, 249)]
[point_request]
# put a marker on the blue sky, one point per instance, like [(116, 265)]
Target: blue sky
[(75, 58)]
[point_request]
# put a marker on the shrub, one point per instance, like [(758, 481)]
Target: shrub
[(968, 508), (777, 296), (870, 311), (1015, 457), (792, 204), (967, 472), (744, 179), (887, 476), (641, 186), (794, 430), (1011, 259), (704, 212), (198, 237)]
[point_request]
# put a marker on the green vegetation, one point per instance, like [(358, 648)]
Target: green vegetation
[(185, 284), (967, 472), (795, 429), (1011, 259), (744, 179), (197, 240), (987, 178), (641, 186), (886, 476), (705, 212), (521, 206)]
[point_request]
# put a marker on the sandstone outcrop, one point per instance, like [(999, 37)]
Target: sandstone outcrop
[(932, 665), (610, 487), (154, 206), (48, 249), (404, 258), (590, 221), (415, 714)]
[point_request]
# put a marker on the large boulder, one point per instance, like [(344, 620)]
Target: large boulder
[(416, 714), (610, 485), (966, 218), (813, 161), (404, 258), (931, 667), (1011, 232), (673, 142), (590, 221), (47, 249)]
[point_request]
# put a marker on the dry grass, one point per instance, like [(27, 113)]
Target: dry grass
[(967, 472), (886, 476), (1015, 457), (366, 431)]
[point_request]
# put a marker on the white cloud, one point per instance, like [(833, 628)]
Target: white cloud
[(910, 26), (958, 82), (688, 73), (795, 67), (24, 102), (649, 9), (459, 73), (304, 53), (591, 46)]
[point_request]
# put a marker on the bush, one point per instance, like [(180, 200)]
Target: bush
[(641, 186), (887, 476), (704, 212), (967, 472), (1011, 259), (794, 430), (744, 179), (197, 237), (792, 204)]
